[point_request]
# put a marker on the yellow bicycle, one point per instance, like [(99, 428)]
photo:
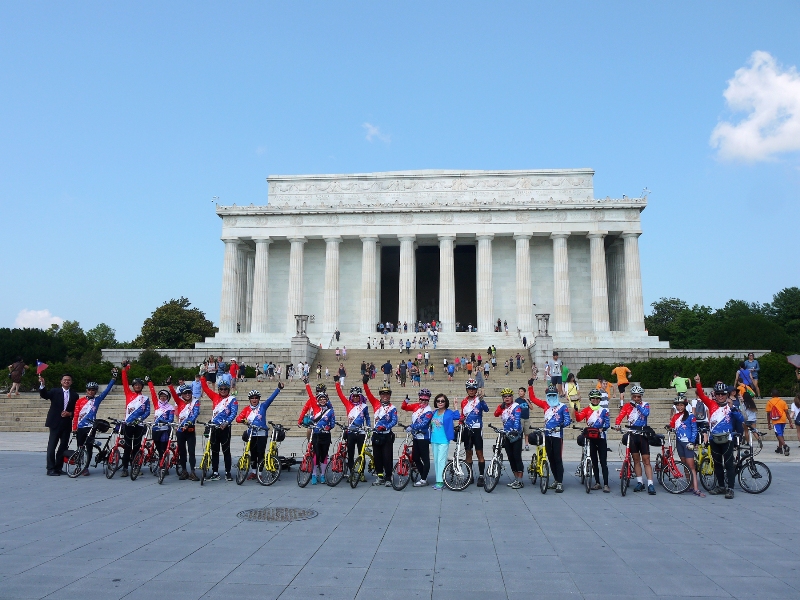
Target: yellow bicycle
[(270, 469), (540, 466), (705, 466), (365, 461), (205, 460)]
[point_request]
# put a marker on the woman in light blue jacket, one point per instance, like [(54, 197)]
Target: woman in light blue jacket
[(442, 433)]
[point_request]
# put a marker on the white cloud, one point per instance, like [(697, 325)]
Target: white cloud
[(771, 97), (41, 319), (373, 131)]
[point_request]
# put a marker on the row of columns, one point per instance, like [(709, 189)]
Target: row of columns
[(245, 286)]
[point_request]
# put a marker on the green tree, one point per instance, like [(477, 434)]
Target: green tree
[(665, 313), (175, 325), (102, 336), (74, 338)]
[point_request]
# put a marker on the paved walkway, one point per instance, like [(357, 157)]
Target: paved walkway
[(93, 538)]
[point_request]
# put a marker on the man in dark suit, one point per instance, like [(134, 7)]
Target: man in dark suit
[(59, 420)]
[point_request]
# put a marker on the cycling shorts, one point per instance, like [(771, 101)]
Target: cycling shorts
[(473, 438), (639, 445), (683, 451), (621, 387)]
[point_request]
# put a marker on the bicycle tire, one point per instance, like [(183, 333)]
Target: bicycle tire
[(154, 466), (163, 465), (242, 468), (76, 463), (136, 466), (358, 469), (492, 475), (304, 471), (757, 477), (544, 477), (415, 476), (676, 485), (756, 444), (532, 473), (179, 470), (457, 481), (113, 463), (587, 468), (204, 468), (583, 471), (659, 467), (705, 472), (624, 477), (267, 475), (335, 470), (399, 482)]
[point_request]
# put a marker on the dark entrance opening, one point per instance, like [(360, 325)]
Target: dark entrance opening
[(464, 269), (390, 283), (427, 283)]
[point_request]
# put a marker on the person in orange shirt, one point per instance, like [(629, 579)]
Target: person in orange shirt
[(622, 372), (778, 416)]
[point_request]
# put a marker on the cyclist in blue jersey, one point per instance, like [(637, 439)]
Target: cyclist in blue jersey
[(556, 417), (636, 412)]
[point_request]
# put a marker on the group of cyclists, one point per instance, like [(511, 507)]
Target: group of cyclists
[(319, 417)]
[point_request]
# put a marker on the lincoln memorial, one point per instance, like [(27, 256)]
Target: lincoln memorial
[(467, 247)]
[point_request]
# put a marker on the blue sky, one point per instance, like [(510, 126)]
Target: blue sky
[(119, 122)]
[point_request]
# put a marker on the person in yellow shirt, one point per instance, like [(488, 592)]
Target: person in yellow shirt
[(778, 417), (622, 372)]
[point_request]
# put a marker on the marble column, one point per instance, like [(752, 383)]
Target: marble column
[(331, 294), (524, 297), (241, 311), (407, 301), (248, 304), (260, 314), (597, 260), (484, 284), (369, 286), (378, 264), (447, 283), (633, 282), (229, 304), (294, 305), (615, 270), (562, 317)]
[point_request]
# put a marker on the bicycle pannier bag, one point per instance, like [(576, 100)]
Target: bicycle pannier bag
[(592, 433), (535, 438), (281, 434), (101, 425), (720, 438)]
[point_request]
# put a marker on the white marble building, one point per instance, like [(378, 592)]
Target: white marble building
[(468, 246)]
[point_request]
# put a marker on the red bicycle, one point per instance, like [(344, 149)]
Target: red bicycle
[(146, 453), (170, 457), (404, 468), (626, 471), (336, 469), (114, 459), (307, 464), (674, 477)]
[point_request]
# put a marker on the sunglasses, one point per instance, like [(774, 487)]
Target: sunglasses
[(440, 402)]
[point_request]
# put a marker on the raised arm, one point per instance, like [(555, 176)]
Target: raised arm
[(409, 406), (702, 395), (125, 387), (583, 415), (215, 397), (104, 393), (532, 397), (272, 397), (376, 404), (347, 404), (152, 391)]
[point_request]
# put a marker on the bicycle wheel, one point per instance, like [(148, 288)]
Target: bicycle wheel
[(492, 475), (76, 463), (582, 468), (756, 443), (415, 476), (587, 475), (113, 463), (304, 472), (205, 464), (163, 465), (179, 470), (401, 473), (358, 469), (335, 470), (625, 477), (676, 485), (544, 477), (154, 465), (754, 477), (532, 473), (659, 467), (136, 466), (457, 477), (242, 468), (705, 471)]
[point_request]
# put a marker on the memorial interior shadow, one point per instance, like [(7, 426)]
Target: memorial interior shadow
[(465, 271), (427, 283), (390, 283)]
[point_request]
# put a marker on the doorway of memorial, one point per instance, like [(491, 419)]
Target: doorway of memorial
[(427, 283), (389, 285), (464, 269)]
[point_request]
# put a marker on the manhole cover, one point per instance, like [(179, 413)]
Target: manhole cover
[(277, 514)]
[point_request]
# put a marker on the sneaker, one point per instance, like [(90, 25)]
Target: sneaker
[(437, 486), (527, 448), (421, 483), (786, 450), (778, 450), (228, 477), (651, 489), (552, 486), (322, 478), (183, 476), (639, 487), (124, 473), (729, 494), (214, 477), (597, 486), (480, 481), (193, 476), (379, 481), (313, 480), (717, 491), (606, 489), (388, 483), (512, 484), (86, 473), (559, 488), (515, 485)]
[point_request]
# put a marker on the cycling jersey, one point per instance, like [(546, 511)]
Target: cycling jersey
[(164, 413), (86, 409), (511, 416), (311, 405), (357, 414), (187, 411), (636, 415), (225, 409), (137, 406), (257, 416), (385, 416), (323, 419), (421, 415), (685, 431), (721, 418), (597, 418), (472, 410), (555, 417)]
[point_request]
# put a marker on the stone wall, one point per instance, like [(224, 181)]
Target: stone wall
[(575, 359), (193, 357)]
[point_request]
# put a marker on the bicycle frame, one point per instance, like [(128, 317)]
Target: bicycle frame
[(205, 460), (361, 459)]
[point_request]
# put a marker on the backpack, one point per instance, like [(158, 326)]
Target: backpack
[(700, 411), (775, 414)]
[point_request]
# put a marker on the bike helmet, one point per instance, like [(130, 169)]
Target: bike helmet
[(637, 390), (138, 381), (385, 390), (471, 384), (355, 391), (680, 400), (506, 392), (425, 393), (322, 396), (184, 389), (92, 386), (720, 388), (595, 394), (321, 388), (253, 394), (164, 392), (551, 389)]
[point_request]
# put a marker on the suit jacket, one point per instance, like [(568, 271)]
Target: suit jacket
[(56, 397)]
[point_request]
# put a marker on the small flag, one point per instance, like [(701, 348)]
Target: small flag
[(40, 367)]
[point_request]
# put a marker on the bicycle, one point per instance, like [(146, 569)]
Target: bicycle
[(754, 476), (756, 440), (675, 477), (205, 460), (495, 467), (404, 468), (306, 469), (243, 464), (457, 473), (539, 467), (585, 465), (705, 466), (271, 465), (114, 459), (170, 457), (360, 464), (626, 471), (77, 462), (145, 454), (336, 468)]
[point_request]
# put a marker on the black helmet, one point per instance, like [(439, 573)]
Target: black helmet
[(321, 388), (138, 381), (595, 394), (551, 389), (92, 385), (385, 390)]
